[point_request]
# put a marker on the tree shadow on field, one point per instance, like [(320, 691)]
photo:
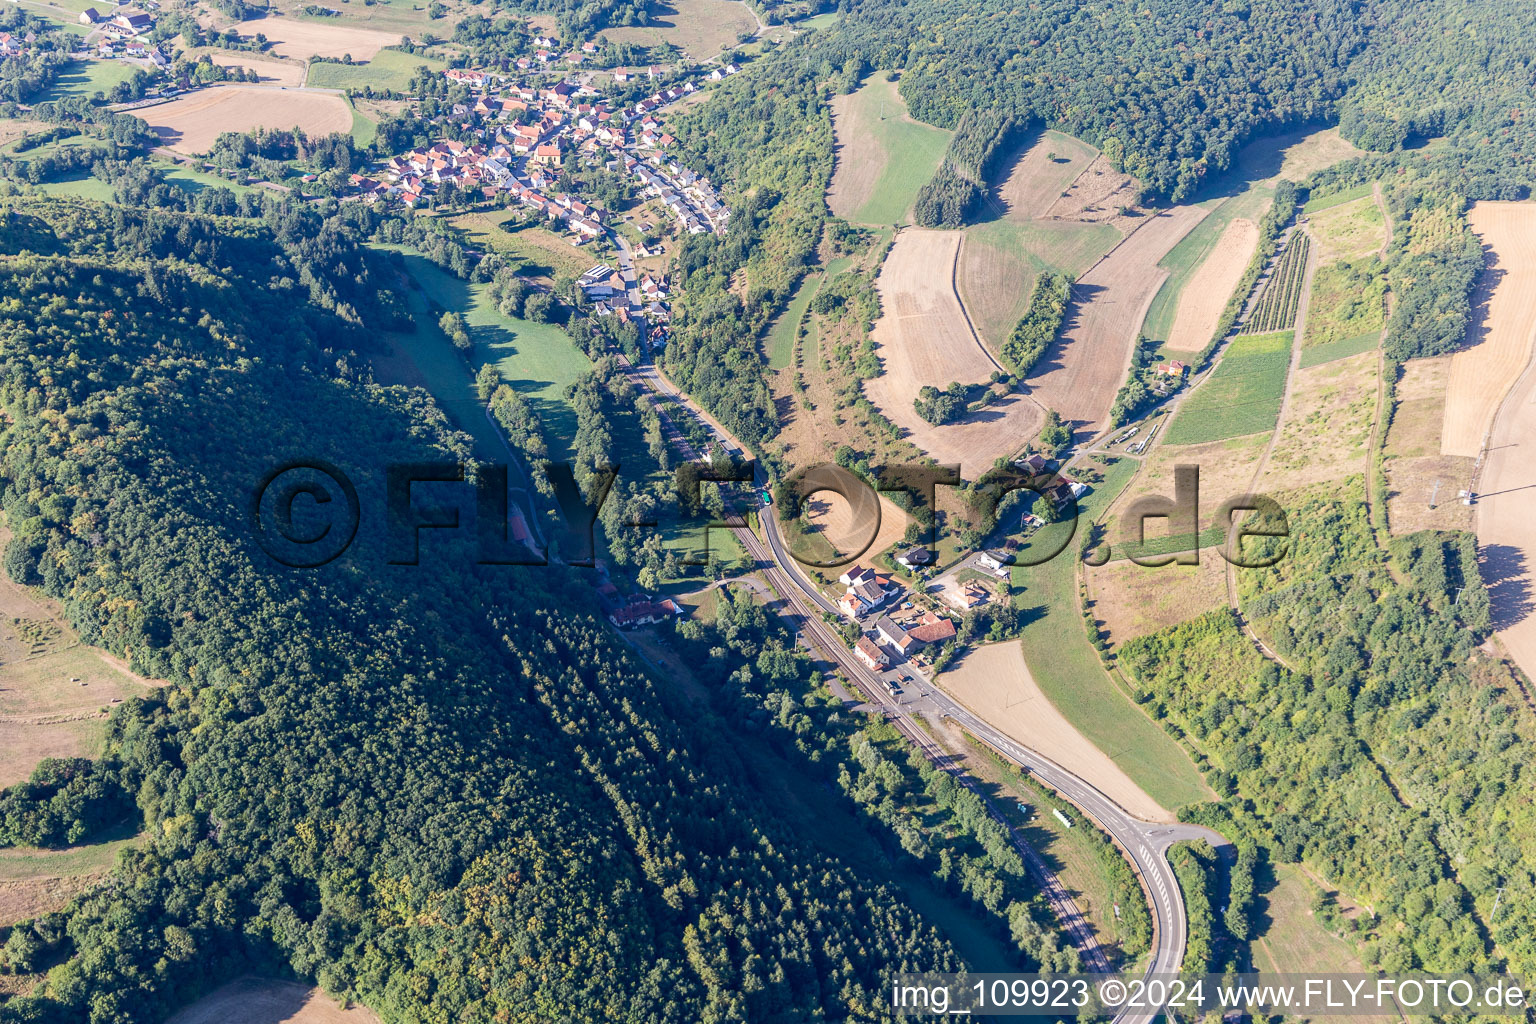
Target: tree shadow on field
[(1082, 295), (1505, 574)]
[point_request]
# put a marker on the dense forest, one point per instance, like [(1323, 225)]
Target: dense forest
[(1171, 89), (446, 790), (1381, 748)]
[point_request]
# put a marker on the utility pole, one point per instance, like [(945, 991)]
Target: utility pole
[(1495, 909), (1434, 492)]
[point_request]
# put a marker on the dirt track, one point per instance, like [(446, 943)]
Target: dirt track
[(923, 338), (994, 682), (1506, 529), (1081, 373)]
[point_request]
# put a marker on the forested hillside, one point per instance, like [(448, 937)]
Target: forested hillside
[(442, 789), (1170, 89)]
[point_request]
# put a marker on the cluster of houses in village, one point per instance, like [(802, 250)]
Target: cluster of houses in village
[(527, 133)]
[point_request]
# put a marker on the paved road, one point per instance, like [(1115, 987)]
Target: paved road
[(1145, 844)]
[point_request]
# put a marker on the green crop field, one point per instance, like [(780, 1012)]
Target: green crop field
[(1319, 354), (364, 128), (1242, 395), (1184, 259), (389, 69), (1333, 199), (1068, 671), (780, 343), (909, 151)]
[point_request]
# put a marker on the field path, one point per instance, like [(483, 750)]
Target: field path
[(1505, 527)]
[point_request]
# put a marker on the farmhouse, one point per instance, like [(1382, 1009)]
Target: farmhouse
[(131, 23), (932, 628), (893, 634), (914, 557), (993, 559), (89, 16)]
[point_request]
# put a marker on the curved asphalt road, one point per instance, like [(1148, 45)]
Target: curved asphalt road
[(1145, 844)]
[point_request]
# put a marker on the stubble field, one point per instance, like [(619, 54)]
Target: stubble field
[(192, 123)]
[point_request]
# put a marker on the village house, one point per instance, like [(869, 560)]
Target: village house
[(641, 611), (914, 557), (89, 16), (893, 634), (870, 654)]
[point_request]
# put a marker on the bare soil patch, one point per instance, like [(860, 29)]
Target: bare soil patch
[(1101, 194), (832, 517), (1499, 347), (923, 338), (1413, 459), (1081, 373), (995, 683), (1203, 299), (291, 37), (192, 123), (1326, 430), (259, 1001)]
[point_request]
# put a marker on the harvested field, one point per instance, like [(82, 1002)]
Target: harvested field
[(1326, 432), (301, 40), (1101, 194), (994, 682), (192, 123), (1348, 231), (1039, 173), (1131, 600), (1206, 295), (923, 338), (1506, 529), (1295, 155), (1000, 260), (1499, 347), (883, 155), (270, 72), (1078, 376), (700, 28), (1413, 459), (259, 1001), (830, 516), (34, 881)]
